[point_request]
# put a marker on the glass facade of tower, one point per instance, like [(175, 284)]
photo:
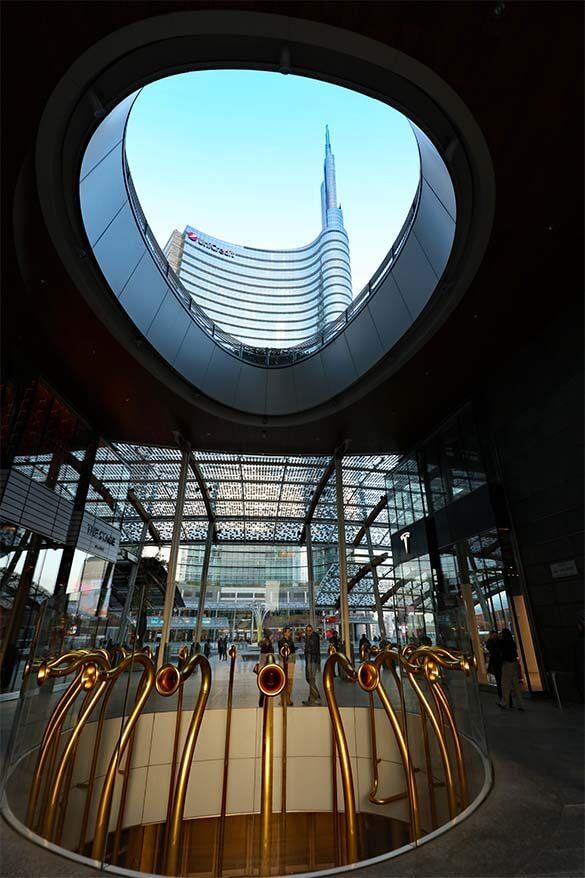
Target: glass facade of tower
[(270, 298)]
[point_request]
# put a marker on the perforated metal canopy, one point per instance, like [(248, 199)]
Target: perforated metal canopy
[(261, 499)]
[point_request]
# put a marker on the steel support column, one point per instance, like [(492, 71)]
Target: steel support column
[(379, 609), (311, 574), (132, 585), (343, 592), (203, 586), (174, 557), (467, 595)]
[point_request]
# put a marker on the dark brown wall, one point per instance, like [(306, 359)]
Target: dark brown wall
[(533, 409)]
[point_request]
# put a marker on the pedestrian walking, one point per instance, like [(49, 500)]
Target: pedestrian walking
[(363, 647), (287, 640), (494, 666), (266, 649), (510, 671), (312, 651)]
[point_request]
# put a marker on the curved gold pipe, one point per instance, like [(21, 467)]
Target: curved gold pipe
[(62, 807), (226, 765), (89, 704), (430, 659), (375, 760), (52, 805), (424, 705), (285, 653), (51, 734), (126, 772), (446, 708), (351, 831), (94, 760), (334, 809), (168, 681), (266, 786), (51, 668), (400, 736), (174, 835), (144, 688)]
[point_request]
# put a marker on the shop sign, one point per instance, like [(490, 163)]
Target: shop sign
[(560, 569), (90, 534)]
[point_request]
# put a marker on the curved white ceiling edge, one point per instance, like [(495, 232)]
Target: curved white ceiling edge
[(313, 383), (136, 278)]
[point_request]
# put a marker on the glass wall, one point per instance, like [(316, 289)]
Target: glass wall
[(451, 461), (454, 591)]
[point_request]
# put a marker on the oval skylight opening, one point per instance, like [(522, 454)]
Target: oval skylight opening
[(275, 199)]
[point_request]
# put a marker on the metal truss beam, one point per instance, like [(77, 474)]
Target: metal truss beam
[(381, 504)]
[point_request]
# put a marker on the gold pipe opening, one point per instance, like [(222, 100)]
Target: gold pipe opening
[(173, 845), (226, 764), (144, 688), (350, 817)]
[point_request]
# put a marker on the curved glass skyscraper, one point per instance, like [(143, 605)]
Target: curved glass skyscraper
[(270, 298)]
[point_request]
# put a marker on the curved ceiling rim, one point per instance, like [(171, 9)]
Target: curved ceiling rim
[(439, 112)]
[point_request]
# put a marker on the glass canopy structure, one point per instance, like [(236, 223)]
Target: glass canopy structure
[(246, 500)]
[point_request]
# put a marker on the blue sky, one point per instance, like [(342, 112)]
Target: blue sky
[(239, 154)]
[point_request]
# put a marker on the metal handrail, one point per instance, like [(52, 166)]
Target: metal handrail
[(266, 356)]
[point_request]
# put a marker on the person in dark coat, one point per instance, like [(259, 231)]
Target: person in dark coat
[(494, 666), (266, 649), (287, 640), (206, 649), (312, 651), (334, 641), (364, 646), (510, 670)]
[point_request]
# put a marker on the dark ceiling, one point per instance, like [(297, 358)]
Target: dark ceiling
[(518, 67)]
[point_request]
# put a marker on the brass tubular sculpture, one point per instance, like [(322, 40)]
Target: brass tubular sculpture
[(168, 681), (446, 709), (334, 792), (430, 663), (144, 687), (173, 844), (52, 807), (384, 658), (271, 682), (61, 667), (95, 678), (425, 706), (67, 784), (285, 652), (429, 772), (94, 760), (226, 765), (351, 831), (126, 771)]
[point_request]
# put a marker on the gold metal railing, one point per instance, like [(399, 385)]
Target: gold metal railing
[(95, 674)]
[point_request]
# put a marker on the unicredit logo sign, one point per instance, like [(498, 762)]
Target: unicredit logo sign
[(202, 243)]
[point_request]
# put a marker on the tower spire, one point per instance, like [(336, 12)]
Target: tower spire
[(328, 186)]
